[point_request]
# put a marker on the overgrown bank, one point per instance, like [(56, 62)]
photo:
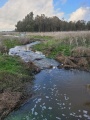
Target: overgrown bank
[(71, 51), (15, 74)]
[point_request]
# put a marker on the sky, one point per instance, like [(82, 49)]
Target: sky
[(11, 11)]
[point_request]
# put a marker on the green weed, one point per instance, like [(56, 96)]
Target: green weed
[(11, 43), (13, 73)]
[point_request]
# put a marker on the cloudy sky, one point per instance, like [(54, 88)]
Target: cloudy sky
[(12, 11)]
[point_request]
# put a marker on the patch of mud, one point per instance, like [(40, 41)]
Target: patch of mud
[(8, 101)]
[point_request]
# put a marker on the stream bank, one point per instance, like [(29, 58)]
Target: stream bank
[(80, 63), (54, 90), (13, 85), (33, 63), (78, 59)]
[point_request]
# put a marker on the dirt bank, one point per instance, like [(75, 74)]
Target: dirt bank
[(79, 59), (81, 63), (10, 98)]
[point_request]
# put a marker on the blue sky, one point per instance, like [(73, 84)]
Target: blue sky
[(71, 5), (2, 2), (12, 11)]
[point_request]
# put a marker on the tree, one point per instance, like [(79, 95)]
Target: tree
[(42, 24), (88, 25)]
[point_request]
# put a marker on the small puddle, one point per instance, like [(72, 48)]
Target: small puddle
[(58, 94)]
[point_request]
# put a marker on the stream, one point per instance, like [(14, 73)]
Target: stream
[(58, 94)]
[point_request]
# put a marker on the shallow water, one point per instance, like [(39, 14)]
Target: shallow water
[(37, 58), (58, 94)]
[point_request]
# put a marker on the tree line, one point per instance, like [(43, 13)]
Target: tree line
[(48, 24)]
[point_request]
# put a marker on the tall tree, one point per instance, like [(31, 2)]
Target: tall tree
[(41, 23), (88, 25)]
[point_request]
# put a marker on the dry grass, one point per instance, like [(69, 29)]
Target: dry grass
[(7, 42), (57, 35), (71, 40), (63, 42), (60, 35), (80, 51)]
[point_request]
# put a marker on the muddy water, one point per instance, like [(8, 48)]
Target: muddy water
[(58, 94)]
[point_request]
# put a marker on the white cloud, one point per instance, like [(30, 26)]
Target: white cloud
[(83, 13), (15, 10)]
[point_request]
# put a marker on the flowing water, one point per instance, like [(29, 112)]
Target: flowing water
[(58, 94), (37, 58)]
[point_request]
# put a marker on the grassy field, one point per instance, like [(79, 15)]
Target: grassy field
[(63, 43)]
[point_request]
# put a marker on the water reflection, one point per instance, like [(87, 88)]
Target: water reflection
[(58, 95)]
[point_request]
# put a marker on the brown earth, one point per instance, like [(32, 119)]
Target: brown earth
[(10, 99), (82, 63), (79, 59)]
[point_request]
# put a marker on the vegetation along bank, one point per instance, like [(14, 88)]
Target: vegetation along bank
[(15, 74), (71, 49)]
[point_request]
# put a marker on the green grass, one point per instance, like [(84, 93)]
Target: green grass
[(52, 48), (11, 64), (13, 73), (11, 43)]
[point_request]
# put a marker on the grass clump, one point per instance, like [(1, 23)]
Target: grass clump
[(80, 51), (8, 42), (53, 47), (13, 73), (11, 43)]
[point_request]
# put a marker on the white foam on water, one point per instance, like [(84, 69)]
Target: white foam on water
[(79, 110), (66, 98), (58, 118), (47, 97), (80, 116), (32, 110), (69, 103), (39, 100), (50, 108), (84, 111), (36, 113)]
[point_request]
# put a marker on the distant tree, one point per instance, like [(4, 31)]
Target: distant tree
[(80, 25), (88, 25), (19, 26), (29, 22), (42, 24)]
